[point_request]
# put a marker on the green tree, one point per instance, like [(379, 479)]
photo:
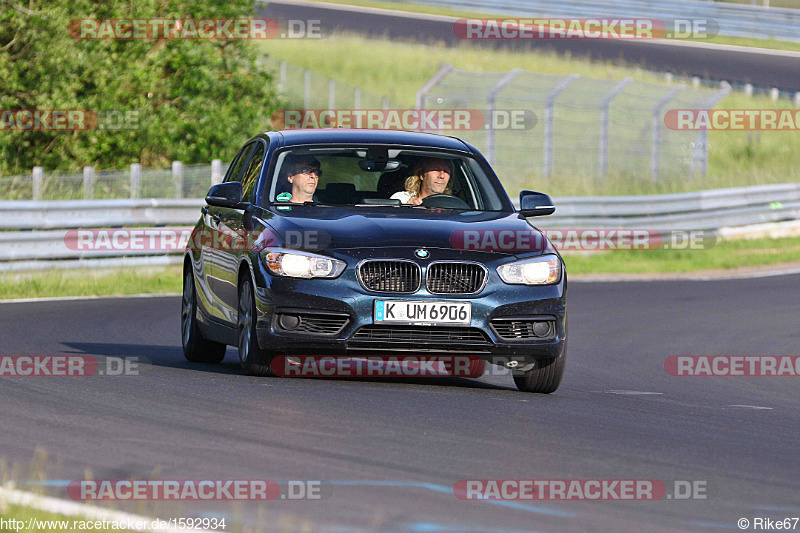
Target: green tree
[(195, 99)]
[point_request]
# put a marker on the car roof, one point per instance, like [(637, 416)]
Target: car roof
[(357, 136)]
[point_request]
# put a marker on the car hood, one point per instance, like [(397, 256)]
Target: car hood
[(349, 227)]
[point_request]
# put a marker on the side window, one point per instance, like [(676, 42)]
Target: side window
[(235, 173), (253, 172)]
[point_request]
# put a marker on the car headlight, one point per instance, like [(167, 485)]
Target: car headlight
[(544, 270), (302, 265)]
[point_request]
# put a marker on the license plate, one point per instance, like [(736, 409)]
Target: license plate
[(422, 313)]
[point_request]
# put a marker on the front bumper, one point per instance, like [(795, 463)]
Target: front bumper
[(342, 319)]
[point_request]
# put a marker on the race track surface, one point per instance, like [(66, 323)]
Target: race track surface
[(737, 65), (389, 451)]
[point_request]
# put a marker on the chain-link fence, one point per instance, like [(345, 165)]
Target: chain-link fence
[(180, 181), (303, 89), (578, 129), (579, 136)]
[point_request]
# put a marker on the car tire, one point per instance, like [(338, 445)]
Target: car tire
[(195, 348), (545, 377), (253, 360), (476, 368)]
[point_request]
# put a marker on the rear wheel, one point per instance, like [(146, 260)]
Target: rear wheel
[(253, 360), (195, 348), (545, 377)]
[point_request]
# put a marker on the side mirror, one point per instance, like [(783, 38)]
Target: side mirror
[(226, 195), (535, 204)]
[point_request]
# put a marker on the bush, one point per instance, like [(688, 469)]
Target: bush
[(192, 100)]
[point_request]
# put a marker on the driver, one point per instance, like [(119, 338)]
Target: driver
[(303, 175), (431, 176)]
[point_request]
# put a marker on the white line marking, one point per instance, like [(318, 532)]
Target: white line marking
[(632, 392), (750, 407), (70, 508), (71, 298)]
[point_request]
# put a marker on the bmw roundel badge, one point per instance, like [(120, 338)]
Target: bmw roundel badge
[(422, 253)]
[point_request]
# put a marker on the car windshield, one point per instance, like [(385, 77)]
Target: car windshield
[(382, 175)]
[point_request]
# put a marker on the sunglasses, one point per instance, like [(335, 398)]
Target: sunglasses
[(309, 170)]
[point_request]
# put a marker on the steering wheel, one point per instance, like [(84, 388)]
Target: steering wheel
[(447, 201)]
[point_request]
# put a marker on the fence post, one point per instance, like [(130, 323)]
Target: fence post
[(283, 75), (655, 151), (700, 155), (177, 177), (385, 103), (357, 98), (423, 91), (306, 89), (88, 182), (38, 177), (604, 111), (331, 94), (491, 104), (216, 171), (547, 145), (136, 179)]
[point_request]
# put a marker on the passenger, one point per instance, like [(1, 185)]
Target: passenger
[(432, 176)]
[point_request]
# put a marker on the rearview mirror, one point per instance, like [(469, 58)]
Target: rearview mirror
[(226, 195), (379, 165), (535, 204)]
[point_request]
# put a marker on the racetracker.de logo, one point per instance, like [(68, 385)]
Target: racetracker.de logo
[(66, 366), (559, 489), (583, 28), (194, 29), (405, 119), (67, 120), (374, 366), (733, 365), (733, 119), (177, 239), (197, 489), (579, 489), (173, 489), (47, 120), (514, 240)]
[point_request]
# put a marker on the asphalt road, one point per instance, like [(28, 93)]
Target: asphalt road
[(389, 451), (737, 65)]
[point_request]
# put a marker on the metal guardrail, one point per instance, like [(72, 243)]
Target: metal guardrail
[(28, 215), (733, 19), (45, 224), (777, 198)]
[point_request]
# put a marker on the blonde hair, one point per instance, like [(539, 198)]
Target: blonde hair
[(414, 181)]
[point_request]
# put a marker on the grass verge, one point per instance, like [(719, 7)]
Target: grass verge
[(37, 520), (91, 282), (724, 256)]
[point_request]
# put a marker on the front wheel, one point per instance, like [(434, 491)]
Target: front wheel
[(545, 377), (195, 348), (253, 360)]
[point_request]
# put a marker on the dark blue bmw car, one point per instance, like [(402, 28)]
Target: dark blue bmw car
[(357, 242)]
